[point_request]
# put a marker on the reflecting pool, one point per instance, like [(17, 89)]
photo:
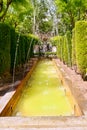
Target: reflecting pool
[(44, 94)]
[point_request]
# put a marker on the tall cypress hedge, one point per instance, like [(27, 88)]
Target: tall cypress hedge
[(59, 46), (9, 42), (33, 40), (65, 50), (64, 47), (81, 46), (23, 42), (55, 42), (73, 48), (5, 43), (69, 47), (58, 42), (12, 48), (25, 47), (19, 54)]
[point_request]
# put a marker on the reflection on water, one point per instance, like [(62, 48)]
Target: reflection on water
[(43, 94)]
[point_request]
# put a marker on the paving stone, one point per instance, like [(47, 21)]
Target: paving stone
[(70, 128)]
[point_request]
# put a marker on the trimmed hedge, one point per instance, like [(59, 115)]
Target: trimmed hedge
[(25, 45), (69, 48), (81, 46), (12, 48), (57, 41), (73, 52), (9, 42), (64, 47), (73, 48), (32, 40), (65, 50), (5, 43)]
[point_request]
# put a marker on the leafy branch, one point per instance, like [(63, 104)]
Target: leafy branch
[(3, 9)]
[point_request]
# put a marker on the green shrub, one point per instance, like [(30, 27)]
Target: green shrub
[(33, 40), (12, 48), (73, 48), (65, 50), (81, 46), (69, 47), (60, 47), (10, 41), (25, 47), (58, 42), (22, 47), (18, 49), (64, 47), (62, 50), (4, 48)]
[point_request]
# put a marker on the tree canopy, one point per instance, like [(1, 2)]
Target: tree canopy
[(70, 11), (43, 16)]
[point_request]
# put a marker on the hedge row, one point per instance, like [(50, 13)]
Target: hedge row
[(64, 47), (72, 49), (5, 44), (81, 46), (9, 42)]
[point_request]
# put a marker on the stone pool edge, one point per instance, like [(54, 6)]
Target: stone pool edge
[(8, 102), (67, 83), (10, 99)]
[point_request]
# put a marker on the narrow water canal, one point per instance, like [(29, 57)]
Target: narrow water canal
[(43, 95)]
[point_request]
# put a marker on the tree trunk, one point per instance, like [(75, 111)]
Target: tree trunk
[(34, 21), (5, 11), (71, 19)]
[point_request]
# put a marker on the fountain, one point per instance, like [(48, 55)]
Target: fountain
[(27, 57), (15, 60), (29, 50)]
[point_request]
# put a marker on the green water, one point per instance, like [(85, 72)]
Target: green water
[(43, 95)]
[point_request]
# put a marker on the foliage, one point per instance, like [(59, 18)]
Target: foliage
[(42, 22), (64, 47), (65, 50), (4, 48), (45, 23), (28, 16), (9, 40), (57, 41), (81, 46), (25, 47), (4, 5), (45, 26), (12, 47), (73, 48), (32, 40), (69, 47), (69, 11), (19, 16)]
